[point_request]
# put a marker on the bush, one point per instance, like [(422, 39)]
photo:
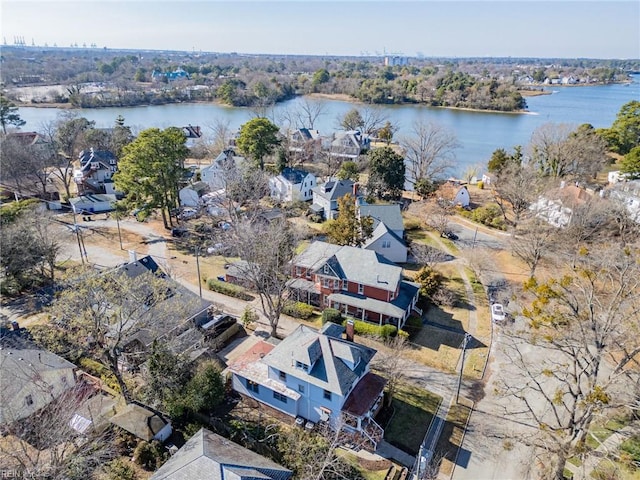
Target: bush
[(412, 224), (99, 370), (149, 456), (489, 214), (298, 310), (632, 448), (481, 185), (370, 329), (119, 470), (429, 280), (331, 315), (228, 289)]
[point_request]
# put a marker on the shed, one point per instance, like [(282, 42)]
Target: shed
[(98, 203)]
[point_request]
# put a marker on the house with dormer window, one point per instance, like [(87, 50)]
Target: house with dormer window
[(360, 283), (292, 185), (96, 171), (315, 376)]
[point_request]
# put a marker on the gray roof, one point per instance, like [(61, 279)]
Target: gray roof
[(396, 308), (330, 370), (380, 231), (352, 263), (293, 175), (334, 189), (139, 421), (24, 368), (388, 214), (208, 456)]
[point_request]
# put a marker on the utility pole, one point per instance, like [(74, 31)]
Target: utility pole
[(467, 337), (475, 235), (119, 233), (198, 269), (77, 230)]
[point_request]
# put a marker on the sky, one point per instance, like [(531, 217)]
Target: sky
[(446, 28)]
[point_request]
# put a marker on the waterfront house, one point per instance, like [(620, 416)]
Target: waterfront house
[(95, 173)]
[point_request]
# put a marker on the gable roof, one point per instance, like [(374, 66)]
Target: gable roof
[(352, 263), (330, 370), (334, 189), (139, 421), (208, 456), (293, 175), (24, 368), (388, 214), (380, 231)]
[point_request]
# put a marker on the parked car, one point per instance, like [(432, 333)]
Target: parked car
[(449, 234), (188, 213), (497, 313)]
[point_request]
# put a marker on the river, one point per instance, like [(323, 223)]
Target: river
[(478, 133)]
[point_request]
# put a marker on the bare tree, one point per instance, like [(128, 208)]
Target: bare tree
[(221, 132), (102, 311), (265, 249), (391, 362), (309, 111), (575, 362), (515, 189), (46, 444), (430, 151), (562, 150), (532, 241)]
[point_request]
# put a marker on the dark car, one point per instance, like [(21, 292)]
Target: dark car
[(450, 235)]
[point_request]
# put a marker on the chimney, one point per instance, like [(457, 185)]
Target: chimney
[(350, 330), (15, 326), (133, 256), (355, 192)]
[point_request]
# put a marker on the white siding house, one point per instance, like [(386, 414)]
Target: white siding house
[(292, 185)]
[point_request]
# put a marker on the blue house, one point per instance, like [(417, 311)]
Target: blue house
[(315, 376)]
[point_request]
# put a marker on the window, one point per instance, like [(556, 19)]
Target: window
[(28, 400), (283, 376), (360, 289), (386, 244), (336, 284), (253, 386), (327, 395), (308, 273), (302, 366), (301, 388), (280, 397), (298, 271), (345, 285), (325, 282)]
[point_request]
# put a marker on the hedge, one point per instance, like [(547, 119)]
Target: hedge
[(384, 331), (298, 310), (228, 289), (97, 369), (331, 315)]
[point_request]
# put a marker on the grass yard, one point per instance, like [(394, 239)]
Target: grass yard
[(438, 348), (412, 411), (352, 460), (452, 436)]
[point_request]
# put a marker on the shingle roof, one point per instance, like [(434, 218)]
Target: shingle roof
[(293, 175), (208, 456), (352, 263), (380, 231), (388, 214), (330, 370), (140, 421), (334, 189)]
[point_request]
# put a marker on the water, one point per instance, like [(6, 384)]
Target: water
[(478, 133)]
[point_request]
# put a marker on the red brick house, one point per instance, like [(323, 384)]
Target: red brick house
[(360, 283)]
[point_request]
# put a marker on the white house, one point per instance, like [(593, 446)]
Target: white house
[(191, 195), (98, 203), (292, 185), (462, 197), (31, 378), (96, 171), (326, 196), (214, 174), (388, 231), (556, 206), (349, 144), (316, 376), (629, 194)]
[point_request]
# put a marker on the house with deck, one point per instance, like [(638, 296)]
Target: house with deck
[(292, 185), (359, 282), (215, 173), (315, 376)]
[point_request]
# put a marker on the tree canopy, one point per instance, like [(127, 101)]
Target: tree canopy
[(9, 114), (630, 164), (150, 169), (624, 134), (348, 228), (386, 173), (258, 138)]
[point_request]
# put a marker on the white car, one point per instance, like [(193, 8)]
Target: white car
[(497, 312)]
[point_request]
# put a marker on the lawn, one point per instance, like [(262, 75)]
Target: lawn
[(352, 460), (412, 410), (438, 348)]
